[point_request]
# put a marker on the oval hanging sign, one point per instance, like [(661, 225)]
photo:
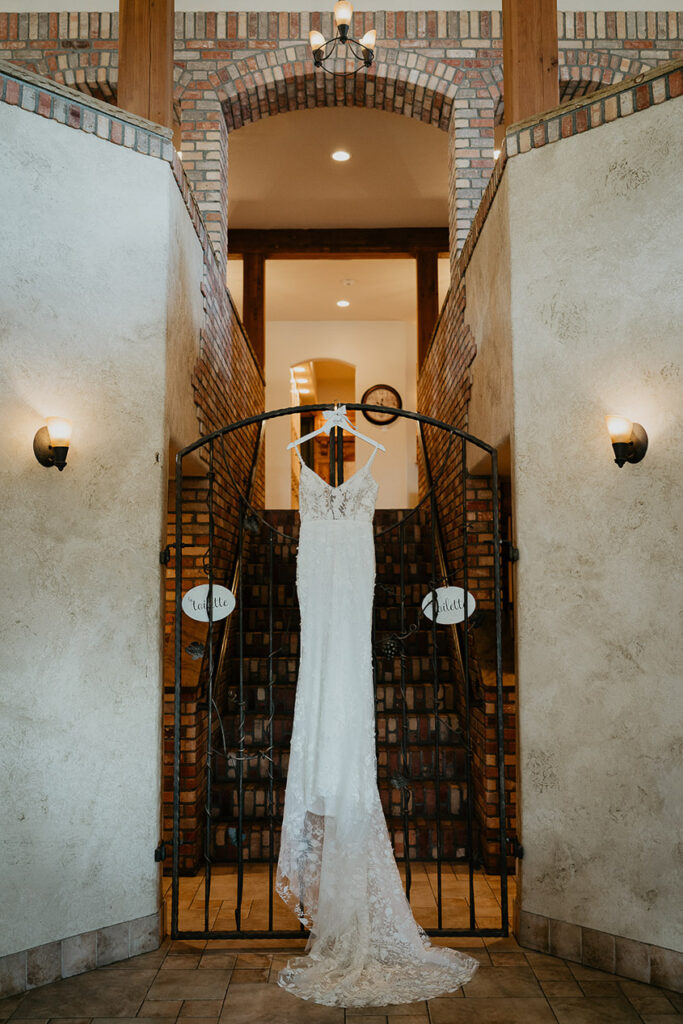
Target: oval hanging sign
[(450, 604), (195, 602)]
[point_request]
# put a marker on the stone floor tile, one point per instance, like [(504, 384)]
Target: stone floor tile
[(131, 1020), (511, 983), (652, 1004), (250, 960), (593, 1011), (374, 1019), (8, 1006), (555, 970), (189, 985), (255, 974), (96, 994), (503, 944), (674, 997), (181, 962), (270, 1004), (403, 1010), (661, 1018), (507, 959), (600, 989), (69, 1020), (34, 1020), (583, 973), (187, 945), (490, 1011), (160, 1007), (410, 1019), (217, 958), (207, 1008), (561, 988)]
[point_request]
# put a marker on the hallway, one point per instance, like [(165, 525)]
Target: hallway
[(222, 982)]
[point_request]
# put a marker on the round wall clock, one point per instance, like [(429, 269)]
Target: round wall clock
[(382, 394)]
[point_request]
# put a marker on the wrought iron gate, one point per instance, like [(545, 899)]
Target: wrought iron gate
[(424, 685)]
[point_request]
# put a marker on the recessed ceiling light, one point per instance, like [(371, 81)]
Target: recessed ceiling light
[(343, 302), (304, 391), (340, 155)]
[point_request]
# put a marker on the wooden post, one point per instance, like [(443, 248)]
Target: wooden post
[(530, 58), (254, 303), (427, 300), (145, 83)]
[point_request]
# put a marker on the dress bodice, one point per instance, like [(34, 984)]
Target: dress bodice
[(352, 500)]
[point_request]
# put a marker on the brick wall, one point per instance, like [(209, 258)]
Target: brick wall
[(441, 67)]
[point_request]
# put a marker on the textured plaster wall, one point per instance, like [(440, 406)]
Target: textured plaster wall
[(596, 260), (487, 314), (90, 232), (383, 352)]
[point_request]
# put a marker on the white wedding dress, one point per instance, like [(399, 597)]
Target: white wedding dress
[(336, 867)]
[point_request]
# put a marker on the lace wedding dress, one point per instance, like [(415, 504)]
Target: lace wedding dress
[(336, 867)]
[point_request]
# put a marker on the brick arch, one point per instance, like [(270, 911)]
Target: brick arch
[(100, 81), (401, 81)]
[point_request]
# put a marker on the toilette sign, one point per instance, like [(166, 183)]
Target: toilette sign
[(450, 604), (196, 602)]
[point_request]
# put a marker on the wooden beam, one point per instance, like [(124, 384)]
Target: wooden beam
[(530, 58), (145, 84), (338, 243), (427, 301), (254, 303)]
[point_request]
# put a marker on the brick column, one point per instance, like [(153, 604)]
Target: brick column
[(204, 140)]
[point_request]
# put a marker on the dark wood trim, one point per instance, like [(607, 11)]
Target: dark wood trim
[(337, 243), (254, 303), (427, 301)]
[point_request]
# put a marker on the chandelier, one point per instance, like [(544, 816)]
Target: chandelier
[(361, 50)]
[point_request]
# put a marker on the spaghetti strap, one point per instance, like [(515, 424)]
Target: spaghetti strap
[(296, 449)]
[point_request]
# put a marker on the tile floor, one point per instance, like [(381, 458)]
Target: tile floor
[(218, 982), (221, 916)]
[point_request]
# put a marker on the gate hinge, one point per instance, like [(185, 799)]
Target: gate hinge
[(515, 847), (160, 852), (165, 555), (511, 552)]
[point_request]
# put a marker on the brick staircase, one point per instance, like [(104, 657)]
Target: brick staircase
[(420, 793)]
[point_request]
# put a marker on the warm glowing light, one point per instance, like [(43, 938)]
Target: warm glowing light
[(620, 429), (496, 154), (299, 369), (304, 391), (180, 154), (59, 431), (316, 39), (340, 155), (369, 39), (343, 12), (343, 302)]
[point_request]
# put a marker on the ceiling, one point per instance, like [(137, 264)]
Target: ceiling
[(309, 289), (281, 174)]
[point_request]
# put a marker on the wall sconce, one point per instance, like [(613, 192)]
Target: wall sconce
[(629, 440), (51, 443)]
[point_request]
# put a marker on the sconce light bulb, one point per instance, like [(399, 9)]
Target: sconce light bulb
[(59, 431), (343, 12), (316, 39), (619, 428), (369, 40)]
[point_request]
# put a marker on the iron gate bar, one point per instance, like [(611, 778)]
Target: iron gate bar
[(405, 792), (243, 503), (209, 738), (466, 669), (437, 733)]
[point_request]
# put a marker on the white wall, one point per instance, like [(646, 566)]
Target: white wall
[(90, 231), (383, 352), (596, 267)]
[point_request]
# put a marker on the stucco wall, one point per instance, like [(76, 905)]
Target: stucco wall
[(383, 352), (90, 233), (596, 269)]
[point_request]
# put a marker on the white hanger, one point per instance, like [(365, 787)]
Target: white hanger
[(336, 418)]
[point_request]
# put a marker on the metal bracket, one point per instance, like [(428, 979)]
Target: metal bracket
[(165, 555), (511, 552), (160, 852), (515, 847)]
